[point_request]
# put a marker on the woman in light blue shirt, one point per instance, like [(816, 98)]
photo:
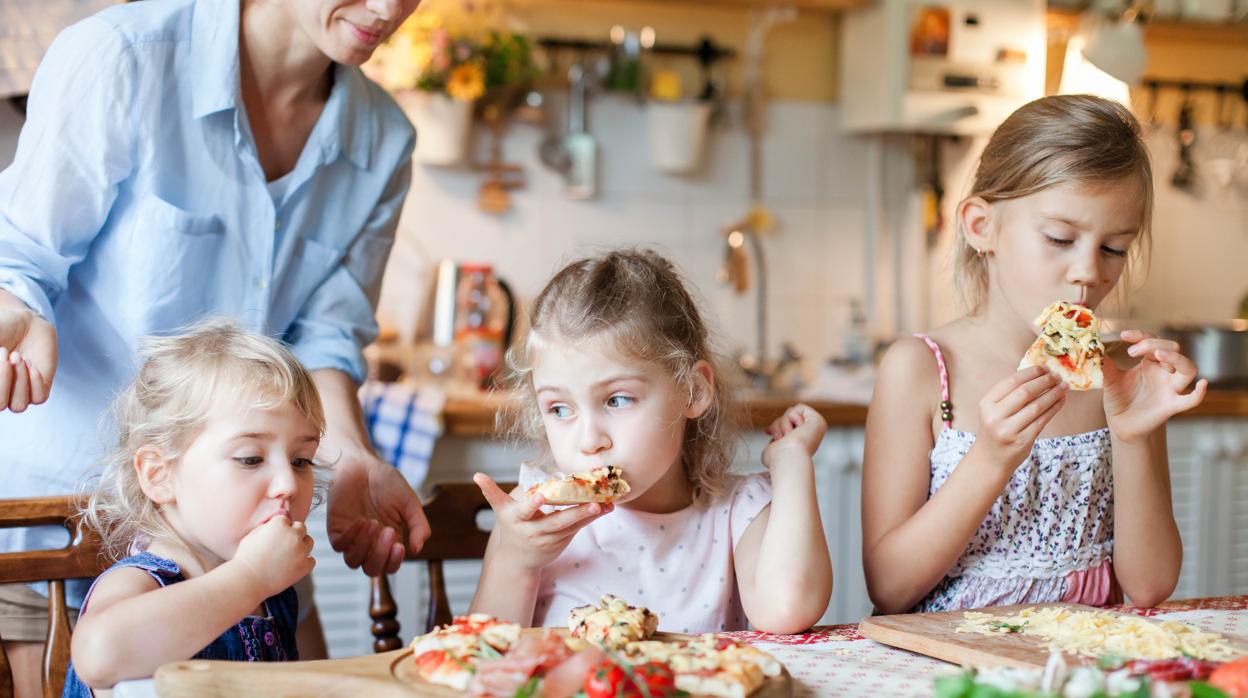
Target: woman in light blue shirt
[(190, 158)]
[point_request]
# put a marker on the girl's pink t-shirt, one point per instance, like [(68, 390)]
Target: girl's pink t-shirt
[(679, 565)]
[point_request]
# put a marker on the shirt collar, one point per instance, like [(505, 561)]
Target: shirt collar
[(214, 56), (347, 124)]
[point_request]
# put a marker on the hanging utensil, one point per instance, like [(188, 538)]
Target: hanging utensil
[(551, 150), (582, 174), (1185, 175)]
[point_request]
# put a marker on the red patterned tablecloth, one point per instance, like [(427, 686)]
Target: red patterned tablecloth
[(836, 661)]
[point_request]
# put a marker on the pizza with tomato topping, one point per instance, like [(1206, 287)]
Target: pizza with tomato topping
[(612, 623), (599, 485), (449, 655), (1069, 346), (710, 665)]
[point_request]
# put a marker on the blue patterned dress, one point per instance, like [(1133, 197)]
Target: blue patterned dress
[(252, 639)]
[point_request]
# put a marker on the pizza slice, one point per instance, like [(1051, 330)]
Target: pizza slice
[(1069, 346), (599, 485), (710, 665), (612, 623), (449, 655)]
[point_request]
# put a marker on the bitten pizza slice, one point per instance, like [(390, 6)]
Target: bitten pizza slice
[(612, 623), (599, 485), (449, 655), (1069, 346)]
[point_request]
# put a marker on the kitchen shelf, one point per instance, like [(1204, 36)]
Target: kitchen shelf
[(1169, 29), (826, 5)]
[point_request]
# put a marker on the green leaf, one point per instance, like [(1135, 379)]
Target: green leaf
[(1110, 661), (1200, 689), (485, 651), (529, 689), (954, 686)]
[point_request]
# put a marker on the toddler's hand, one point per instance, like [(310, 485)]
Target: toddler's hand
[(1140, 400), (1014, 412), (275, 554), (528, 536), (800, 427)]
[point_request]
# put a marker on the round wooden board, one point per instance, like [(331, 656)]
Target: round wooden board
[(404, 669)]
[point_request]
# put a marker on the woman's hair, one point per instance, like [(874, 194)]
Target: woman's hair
[(185, 379), (635, 301), (1064, 139)]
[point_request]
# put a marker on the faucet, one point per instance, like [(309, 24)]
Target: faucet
[(761, 373)]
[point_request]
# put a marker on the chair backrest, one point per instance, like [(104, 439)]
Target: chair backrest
[(81, 558), (452, 511)]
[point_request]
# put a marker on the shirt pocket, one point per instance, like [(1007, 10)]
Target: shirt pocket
[(176, 263)]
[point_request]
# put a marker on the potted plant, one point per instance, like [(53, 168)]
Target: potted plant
[(439, 64)]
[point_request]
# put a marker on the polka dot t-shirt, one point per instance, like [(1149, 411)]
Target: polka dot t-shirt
[(679, 565)]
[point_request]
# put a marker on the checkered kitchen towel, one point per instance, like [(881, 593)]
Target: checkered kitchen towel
[(404, 424)]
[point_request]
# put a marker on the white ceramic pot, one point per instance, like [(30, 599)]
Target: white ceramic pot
[(677, 135), (442, 126)]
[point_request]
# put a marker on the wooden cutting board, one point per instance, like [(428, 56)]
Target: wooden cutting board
[(933, 634), (386, 675)]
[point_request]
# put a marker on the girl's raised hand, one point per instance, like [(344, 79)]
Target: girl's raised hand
[(799, 427), (1014, 412), (532, 538), (275, 555), (1139, 401)]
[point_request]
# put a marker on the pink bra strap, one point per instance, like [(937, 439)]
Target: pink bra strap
[(946, 409)]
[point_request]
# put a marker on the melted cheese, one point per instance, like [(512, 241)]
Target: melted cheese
[(1097, 633), (1063, 336)]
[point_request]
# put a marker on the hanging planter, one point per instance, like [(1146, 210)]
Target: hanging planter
[(677, 135), (442, 126)]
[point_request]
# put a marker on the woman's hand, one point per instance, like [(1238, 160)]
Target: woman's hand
[(27, 355), (374, 516), (800, 427), (1139, 401), (526, 535), (1014, 412)]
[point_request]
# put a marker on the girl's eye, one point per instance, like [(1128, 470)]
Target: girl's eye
[(302, 463), (1113, 251), (1058, 242), (620, 401), (559, 411), (250, 461)]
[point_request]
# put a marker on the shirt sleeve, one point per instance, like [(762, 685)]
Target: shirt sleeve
[(73, 152), (750, 496), (339, 319)]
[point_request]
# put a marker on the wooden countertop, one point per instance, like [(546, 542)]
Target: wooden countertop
[(474, 416)]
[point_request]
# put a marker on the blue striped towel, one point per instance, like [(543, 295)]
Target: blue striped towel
[(404, 424)]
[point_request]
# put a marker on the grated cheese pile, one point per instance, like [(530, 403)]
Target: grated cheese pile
[(1063, 335), (1098, 633)]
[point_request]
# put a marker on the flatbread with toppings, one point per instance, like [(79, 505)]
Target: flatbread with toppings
[(612, 623), (449, 655), (711, 665), (1069, 346), (599, 485)]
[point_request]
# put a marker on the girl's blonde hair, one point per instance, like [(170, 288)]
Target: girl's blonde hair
[(636, 302), (1064, 139), (184, 380)]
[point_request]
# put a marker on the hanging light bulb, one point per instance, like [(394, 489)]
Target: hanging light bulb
[(1107, 55)]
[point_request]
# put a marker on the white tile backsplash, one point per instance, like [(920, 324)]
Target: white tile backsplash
[(814, 255)]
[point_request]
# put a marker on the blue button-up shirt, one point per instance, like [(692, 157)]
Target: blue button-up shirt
[(136, 204)]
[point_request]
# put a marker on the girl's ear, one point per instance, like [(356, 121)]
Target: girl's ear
[(975, 217), (703, 392), (155, 475)]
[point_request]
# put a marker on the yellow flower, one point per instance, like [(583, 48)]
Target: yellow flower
[(421, 54), (466, 83)]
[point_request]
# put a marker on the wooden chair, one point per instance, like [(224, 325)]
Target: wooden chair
[(452, 512), (83, 557)]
